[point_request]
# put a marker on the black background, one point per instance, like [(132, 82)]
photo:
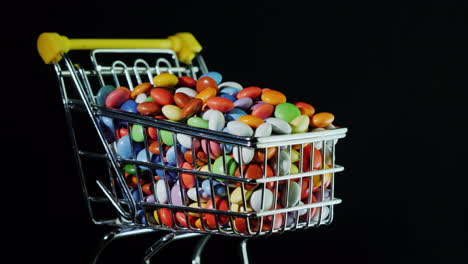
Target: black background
[(395, 75)]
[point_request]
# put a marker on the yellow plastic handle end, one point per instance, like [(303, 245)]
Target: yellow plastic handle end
[(51, 46)]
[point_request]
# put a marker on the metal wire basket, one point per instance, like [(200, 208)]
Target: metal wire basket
[(140, 195)]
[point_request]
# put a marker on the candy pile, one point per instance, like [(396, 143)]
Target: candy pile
[(227, 107)]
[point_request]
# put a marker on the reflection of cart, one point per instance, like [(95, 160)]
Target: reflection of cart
[(133, 187)]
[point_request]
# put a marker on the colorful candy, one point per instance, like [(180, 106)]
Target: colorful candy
[(227, 107), (273, 97), (166, 80), (287, 112)]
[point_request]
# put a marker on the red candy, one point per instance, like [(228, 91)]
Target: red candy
[(206, 82), (181, 99), (306, 159), (263, 111), (188, 180), (165, 216), (186, 81), (148, 108), (162, 96), (117, 97), (252, 92), (221, 205), (220, 103), (305, 108)]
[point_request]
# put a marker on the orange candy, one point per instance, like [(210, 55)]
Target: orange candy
[(206, 94), (323, 119), (251, 120), (273, 97), (259, 154), (251, 171), (305, 108), (141, 88)]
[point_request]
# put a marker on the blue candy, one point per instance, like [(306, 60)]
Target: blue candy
[(214, 75), (108, 122), (129, 106), (229, 90), (207, 187), (141, 156), (124, 149), (234, 114), (171, 156), (228, 96)]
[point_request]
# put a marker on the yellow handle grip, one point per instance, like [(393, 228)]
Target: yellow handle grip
[(51, 46)]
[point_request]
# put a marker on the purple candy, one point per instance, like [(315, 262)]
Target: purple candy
[(257, 104), (150, 199), (243, 103), (175, 195)]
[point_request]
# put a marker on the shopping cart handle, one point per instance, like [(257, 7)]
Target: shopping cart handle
[(51, 46)]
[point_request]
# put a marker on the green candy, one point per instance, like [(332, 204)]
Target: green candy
[(130, 169), (196, 121), (137, 133), (295, 156), (294, 169), (287, 112), (166, 137), (231, 166), (149, 99), (103, 93)]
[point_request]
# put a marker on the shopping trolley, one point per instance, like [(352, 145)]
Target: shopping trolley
[(139, 196)]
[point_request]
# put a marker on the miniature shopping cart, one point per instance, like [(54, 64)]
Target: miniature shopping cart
[(126, 192)]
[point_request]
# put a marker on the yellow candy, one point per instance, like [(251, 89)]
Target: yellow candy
[(195, 205), (294, 169), (235, 207), (317, 179), (165, 79), (294, 155), (172, 112), (236, 195), (300, 124), (156, 216)]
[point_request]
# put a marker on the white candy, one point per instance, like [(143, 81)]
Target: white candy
[(230, 84), (192, 194), (256, 200), (303, 211), (188, 91), (185, 140), (239, 129), (279, 126), (284, 161), (264, 130), (161, 193), (208, 113), (216, 120), (247, 154), (325, 213), (140, 98), (294, 195)]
